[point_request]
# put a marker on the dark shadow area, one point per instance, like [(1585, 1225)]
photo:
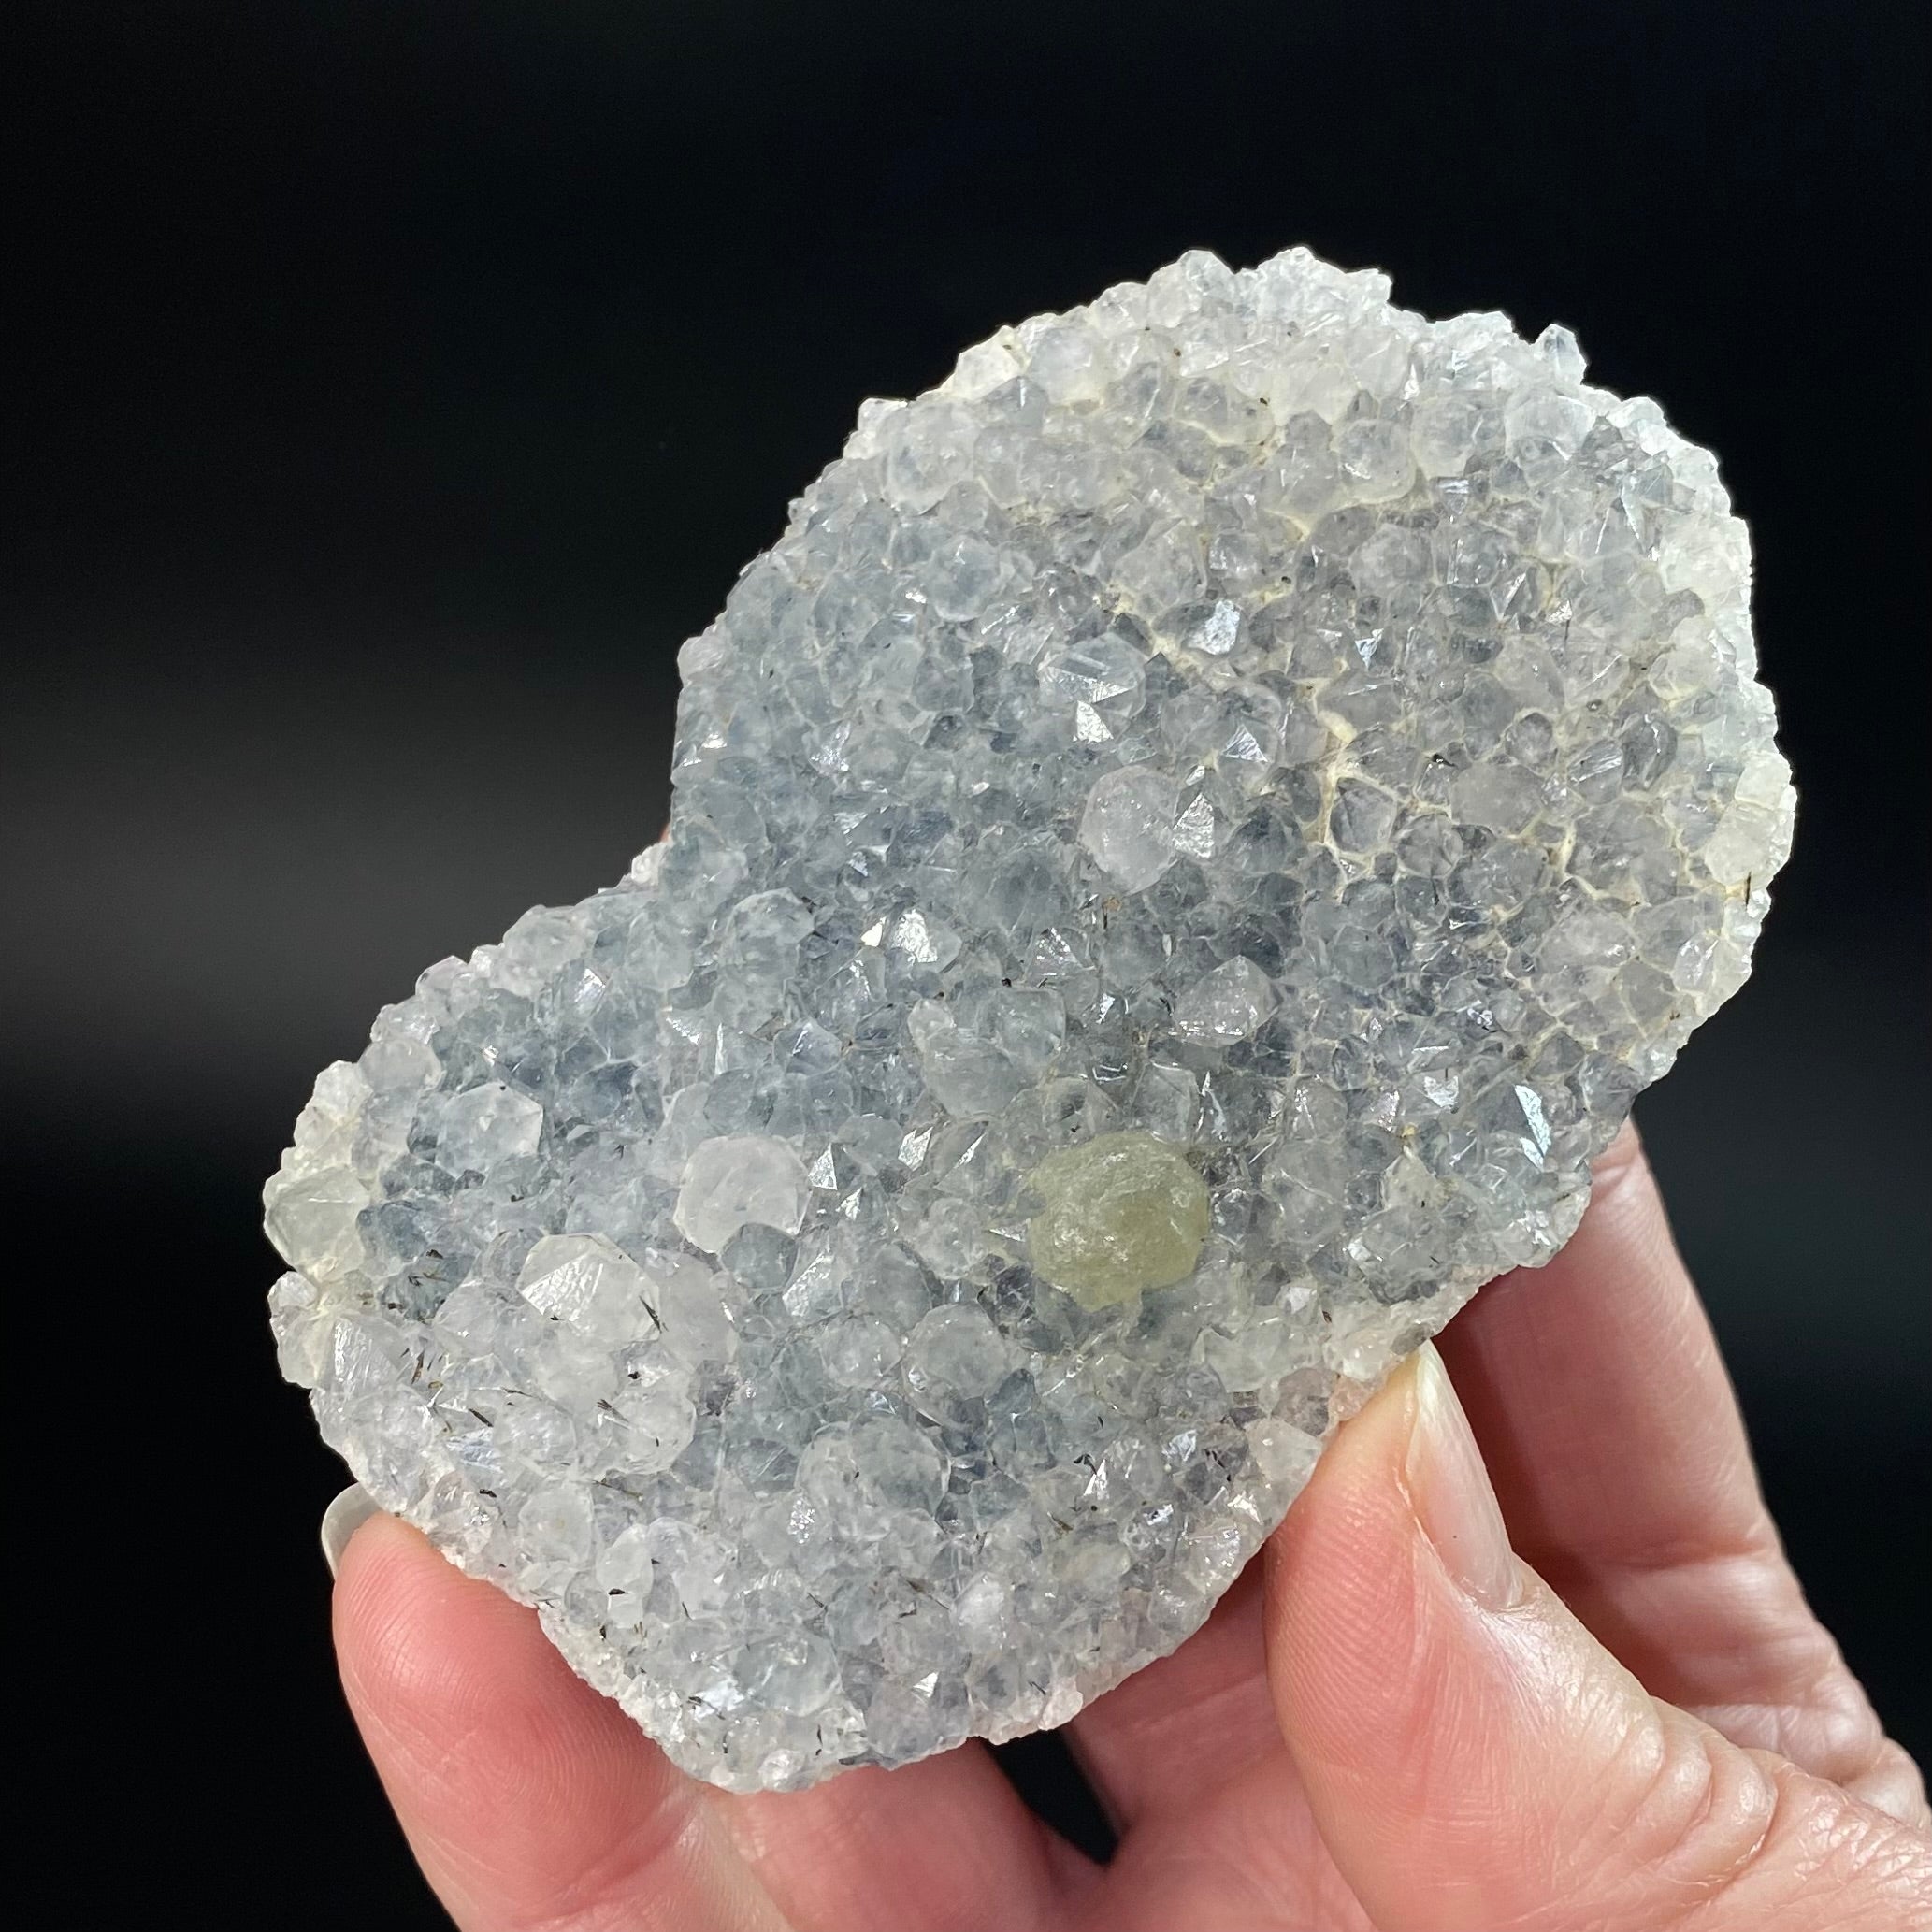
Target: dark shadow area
[(1044, 1773)]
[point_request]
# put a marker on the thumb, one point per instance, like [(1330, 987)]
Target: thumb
[(1475, 1758)]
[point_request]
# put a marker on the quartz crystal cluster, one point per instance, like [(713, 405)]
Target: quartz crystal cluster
[(1182, 852)]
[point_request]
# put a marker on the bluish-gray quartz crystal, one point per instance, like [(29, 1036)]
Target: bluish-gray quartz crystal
[(1182, 852)]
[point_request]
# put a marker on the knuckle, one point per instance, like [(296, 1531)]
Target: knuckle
[(1700, 1815), (1827, 1726), (1893, 1783), (1721, 1837)]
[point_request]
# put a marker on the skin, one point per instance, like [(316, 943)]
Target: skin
[(1622, 1718)]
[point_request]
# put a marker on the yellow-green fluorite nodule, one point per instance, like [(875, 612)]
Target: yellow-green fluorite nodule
[(1123, 1213)]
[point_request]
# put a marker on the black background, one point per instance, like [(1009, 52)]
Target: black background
[(405, 381)]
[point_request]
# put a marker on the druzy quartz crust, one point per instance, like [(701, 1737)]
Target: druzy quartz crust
[(1181, 854)]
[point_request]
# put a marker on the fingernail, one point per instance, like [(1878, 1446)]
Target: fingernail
[(341, 1519), (1451, 1493)]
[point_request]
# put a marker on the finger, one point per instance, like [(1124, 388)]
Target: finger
[(528, 1798), (944, 1843), (447, 1672), (1595, 1388), (1186, 1758), (1475, 1758), (1183, 1727)]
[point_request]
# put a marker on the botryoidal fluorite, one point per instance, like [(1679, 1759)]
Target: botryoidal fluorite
[(1181, 854)]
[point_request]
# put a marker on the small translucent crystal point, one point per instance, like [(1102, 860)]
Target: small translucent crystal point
[(739, 1179), (1181, 854)]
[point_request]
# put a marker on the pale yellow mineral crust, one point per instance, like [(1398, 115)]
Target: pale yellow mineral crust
[(1123, 1214)]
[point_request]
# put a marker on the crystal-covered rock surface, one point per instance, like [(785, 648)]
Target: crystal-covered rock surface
[(1181, 854)]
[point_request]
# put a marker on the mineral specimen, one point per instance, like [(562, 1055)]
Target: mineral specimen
[(1182, 852)]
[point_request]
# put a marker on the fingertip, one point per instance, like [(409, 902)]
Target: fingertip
[(428, 1653), (341, 1520), (527, 1797), (378, 1555), (374, 1564), (1624, 1155), (395, 1596), (1599, 1393), (1413, 1692), (1626, 1209), (1341, 1588), (417, 1641)]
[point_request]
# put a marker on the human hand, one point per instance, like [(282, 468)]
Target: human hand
[(1632, 1721)]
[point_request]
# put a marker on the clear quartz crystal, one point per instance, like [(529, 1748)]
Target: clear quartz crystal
[(1182, 853)]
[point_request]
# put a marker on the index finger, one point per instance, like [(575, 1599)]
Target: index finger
[(1620, 1457), (1600, 1402), (530, 1800)]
